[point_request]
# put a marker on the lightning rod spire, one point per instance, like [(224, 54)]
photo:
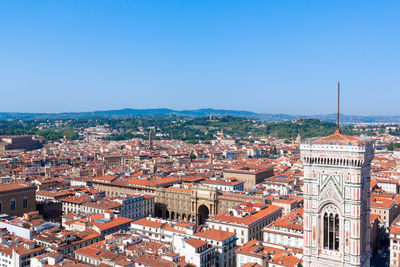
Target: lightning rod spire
[(338, 109)]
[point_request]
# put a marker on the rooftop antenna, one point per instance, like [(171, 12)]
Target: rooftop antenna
[(338, 108)]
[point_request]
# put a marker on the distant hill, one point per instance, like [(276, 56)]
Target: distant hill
[(126, 113)]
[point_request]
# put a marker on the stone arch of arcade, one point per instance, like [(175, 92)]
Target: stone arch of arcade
[(177, 215), (203, 214), (204, 201)]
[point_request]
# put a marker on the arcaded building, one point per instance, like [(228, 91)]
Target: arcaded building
[(194, 204)]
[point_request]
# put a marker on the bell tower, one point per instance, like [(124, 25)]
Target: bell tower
[(337, 199)]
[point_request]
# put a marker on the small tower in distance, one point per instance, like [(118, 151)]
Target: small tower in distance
[(150, 140), (298, 139)]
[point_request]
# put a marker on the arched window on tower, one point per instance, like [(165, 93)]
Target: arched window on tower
[(326, 231), (336, 245), (331, 228)]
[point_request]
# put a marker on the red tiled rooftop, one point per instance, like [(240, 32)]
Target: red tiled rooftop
[(148, 223), (8, 187), (215, 234), (196, 243), (381, 202)]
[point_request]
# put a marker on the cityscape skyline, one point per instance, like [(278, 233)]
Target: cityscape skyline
[(199, 133), (266, 57)]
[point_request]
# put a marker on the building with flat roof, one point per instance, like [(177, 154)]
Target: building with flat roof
[(250, 177), (23, 142)]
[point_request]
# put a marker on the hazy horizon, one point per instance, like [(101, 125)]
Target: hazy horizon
[(179, 110)]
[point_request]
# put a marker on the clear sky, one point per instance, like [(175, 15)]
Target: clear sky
[(263, 56)]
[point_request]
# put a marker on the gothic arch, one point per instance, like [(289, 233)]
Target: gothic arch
[(330, 203), (332, 226)]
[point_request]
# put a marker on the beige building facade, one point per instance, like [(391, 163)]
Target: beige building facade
[(192, 205), (249, 177)]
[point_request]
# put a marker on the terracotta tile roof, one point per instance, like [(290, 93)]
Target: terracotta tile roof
[(251, 264), (196, 243), (166, 227), (9, 187), (256, 248), (381, 203), (395, 229), (113, 223), (103, 204), (290, 221), (76, 199), (155, 182), (337, 138), (148, 223), (285, 260), (215, 234), (247, 220)]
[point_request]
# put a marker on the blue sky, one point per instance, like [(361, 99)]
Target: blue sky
[(262, 56)]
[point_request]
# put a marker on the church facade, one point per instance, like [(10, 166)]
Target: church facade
[(337, 200)]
